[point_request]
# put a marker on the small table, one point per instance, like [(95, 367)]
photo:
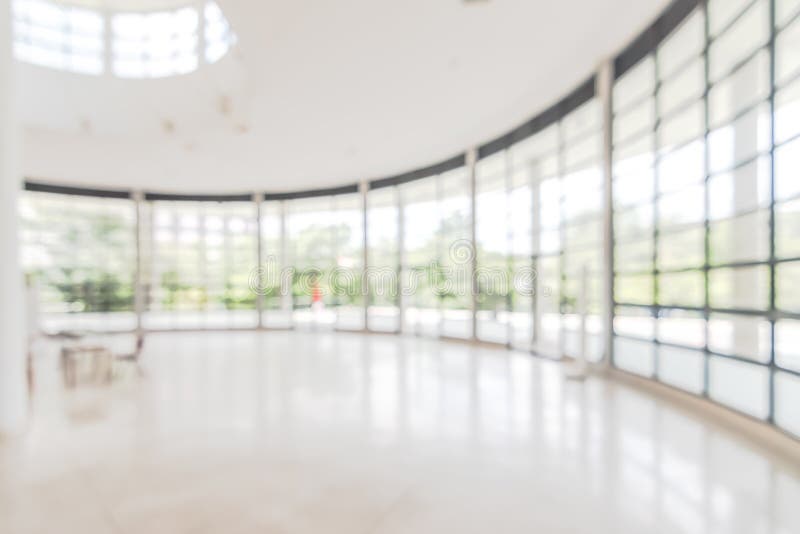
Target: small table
[(101, 359)]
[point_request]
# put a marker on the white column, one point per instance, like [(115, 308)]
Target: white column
[(472, 162), (536, 310), (604, 90), (402, 301), (13, 346), (364, 190), (287, 304), (139, 284), (259, 260)]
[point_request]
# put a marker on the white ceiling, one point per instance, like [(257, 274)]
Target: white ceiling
[(320, 93)]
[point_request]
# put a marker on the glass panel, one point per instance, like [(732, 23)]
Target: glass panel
[(680, 327), (785, 10), (681, 250), (787, 173), (787, 112), (739, 288), (681, 167), (787, 344), (681, 289), (742, 239), (721, 13), (634, 257), (639, 81), (747, 33), (743, 89), (740, 335), (787, 290), (522, 283), (633, 172), (741, 190), (421, 253), (787, 229), (634, 223), (581, 153), (787, 399), (384, 260), (685, 43), (634, 322), (682, 208), (549, 212), (787, 53), (739, 385), (634, 289), (346, 280), (275, 283), (636, 121), (682, 368), (218, 35), (78, 254), (61, 37), (634, 189), (635, 356), (456, 253), (492, 231), (548, 337), (160, 43), (583, 195), (739, 141), (203, 256), (312, 244), (682, 127), (688, 85)]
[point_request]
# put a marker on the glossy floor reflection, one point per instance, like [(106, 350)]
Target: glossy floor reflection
[(345, 433)]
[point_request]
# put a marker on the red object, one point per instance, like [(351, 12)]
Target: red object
[(316, 293)]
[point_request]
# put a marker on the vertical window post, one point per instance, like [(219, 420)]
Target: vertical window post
[(604, 90), (472, 162), (138, 283), (259, 261)]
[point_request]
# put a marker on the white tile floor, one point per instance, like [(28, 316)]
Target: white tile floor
[(344, 433)]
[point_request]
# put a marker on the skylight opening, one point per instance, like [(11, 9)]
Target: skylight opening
[(155, 45), (59, 37), (129, 45)]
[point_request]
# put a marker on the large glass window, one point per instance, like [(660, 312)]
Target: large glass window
[(275, 282), (705, 208), (547, 241), (146, 44), (57, 36), (219, 37), (455, 253), (582, 232), (199, 259), (154, 45), (325, 250), (383, 241), (79, 254), (422, 272), (347, 280), (492, 246), (694, 192)]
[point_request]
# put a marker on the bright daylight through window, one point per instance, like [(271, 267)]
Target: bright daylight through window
[(130, 44), (703, 197)]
